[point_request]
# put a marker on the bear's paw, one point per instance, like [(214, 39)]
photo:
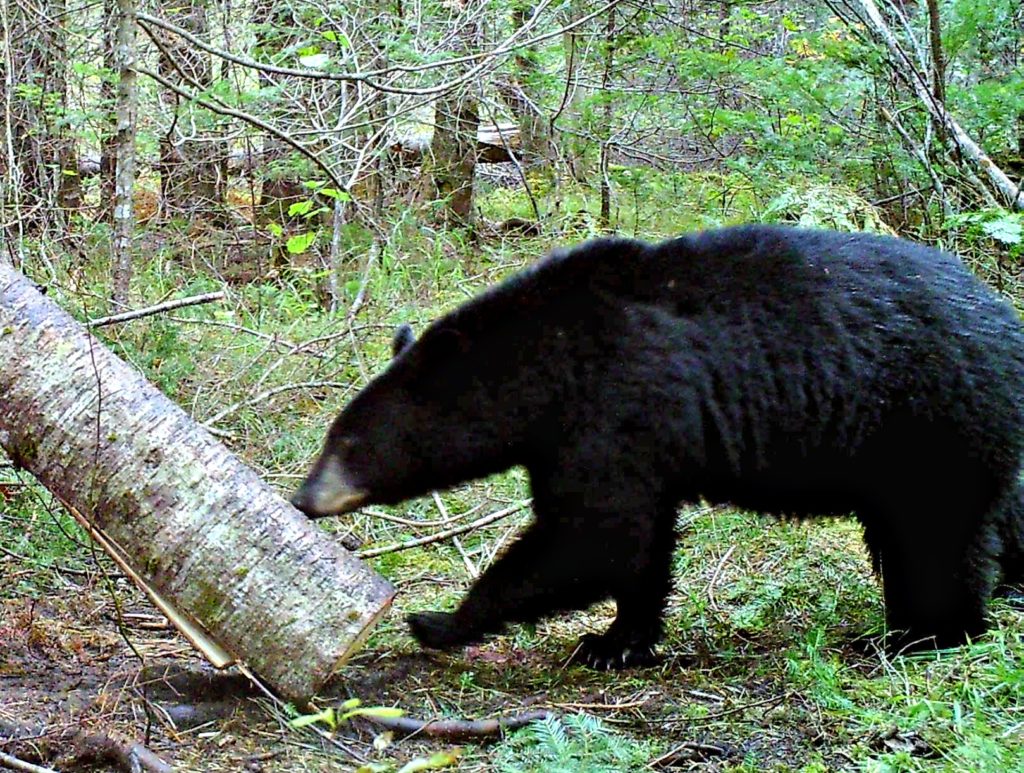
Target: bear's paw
[(604, 652)]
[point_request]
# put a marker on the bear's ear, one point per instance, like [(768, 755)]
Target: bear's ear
[(442, 369), (444, 343), (402, 340)]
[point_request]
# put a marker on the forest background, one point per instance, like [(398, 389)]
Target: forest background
[(338, 168)]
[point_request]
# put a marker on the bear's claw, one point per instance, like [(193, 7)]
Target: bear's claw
[(610, 653)]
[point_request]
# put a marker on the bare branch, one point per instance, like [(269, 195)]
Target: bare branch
[(8, 761), (443, 535), (250, 119), (905, 67), (149, 311), (457, 729)]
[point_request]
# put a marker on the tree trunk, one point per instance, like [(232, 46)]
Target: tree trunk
[(524, 95), (903, 65), (194, 522), (281, 186), (124, 151), (108, 133), (938, 57), (450, 169), (573, 149), (190, 182), (32, 102), (608, 113)]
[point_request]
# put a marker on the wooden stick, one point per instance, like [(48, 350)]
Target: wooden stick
[(457, 729), (7, 761), (127, 755), (178, 303), (443, 535)]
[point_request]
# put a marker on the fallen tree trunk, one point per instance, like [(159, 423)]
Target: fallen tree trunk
[(199, 526)]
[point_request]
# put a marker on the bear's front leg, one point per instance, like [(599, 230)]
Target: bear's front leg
[(539, 574), (640, 592)]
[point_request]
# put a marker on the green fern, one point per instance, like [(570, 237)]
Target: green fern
[(576, 743)]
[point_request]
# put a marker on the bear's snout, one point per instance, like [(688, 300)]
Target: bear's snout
[(327, 490)]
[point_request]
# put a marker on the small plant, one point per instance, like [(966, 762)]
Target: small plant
[(332, 716), (574, 743)]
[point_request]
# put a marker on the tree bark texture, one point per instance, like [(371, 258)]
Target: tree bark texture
[(450, 169), (938, 57), (451, 164), (195, 523), (523, 96), (124, 151), (281, 186), (33, 98), (608, 112)]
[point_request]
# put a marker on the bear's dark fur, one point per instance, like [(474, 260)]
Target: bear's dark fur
[(786, 371)]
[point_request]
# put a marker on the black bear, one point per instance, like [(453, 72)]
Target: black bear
[(786, 371)]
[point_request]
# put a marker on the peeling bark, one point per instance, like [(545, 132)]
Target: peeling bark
[(196, 523)]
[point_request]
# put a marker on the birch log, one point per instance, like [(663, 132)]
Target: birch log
[(198, 525)]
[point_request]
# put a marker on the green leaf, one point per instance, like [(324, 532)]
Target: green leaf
[(299, 243), (372, 711), (1006, 229), (275, 229), (300, 208), (433, 762), (334, 193), (326, 716)]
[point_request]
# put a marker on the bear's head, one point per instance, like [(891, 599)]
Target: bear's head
[(416, 427)]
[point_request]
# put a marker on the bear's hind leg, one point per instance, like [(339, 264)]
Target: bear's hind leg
[(1011, 559), (936, 575)]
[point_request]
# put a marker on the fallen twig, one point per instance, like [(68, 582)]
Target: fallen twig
[(267, 394), (278, 707), (364, 283), (470, 566), (714, 578), (150, 310), (7, 761), (457, 729), (695, 749), (128, 756), (721, 714), (443, 535), (89, 748)]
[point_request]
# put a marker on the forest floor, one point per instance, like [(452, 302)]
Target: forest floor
[(760, 672)]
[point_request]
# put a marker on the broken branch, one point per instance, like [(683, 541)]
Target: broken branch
[(178, 303), (457, 729), (443, 535), (8, 761)]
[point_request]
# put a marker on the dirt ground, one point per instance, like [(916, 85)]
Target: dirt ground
[(73, 665)]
